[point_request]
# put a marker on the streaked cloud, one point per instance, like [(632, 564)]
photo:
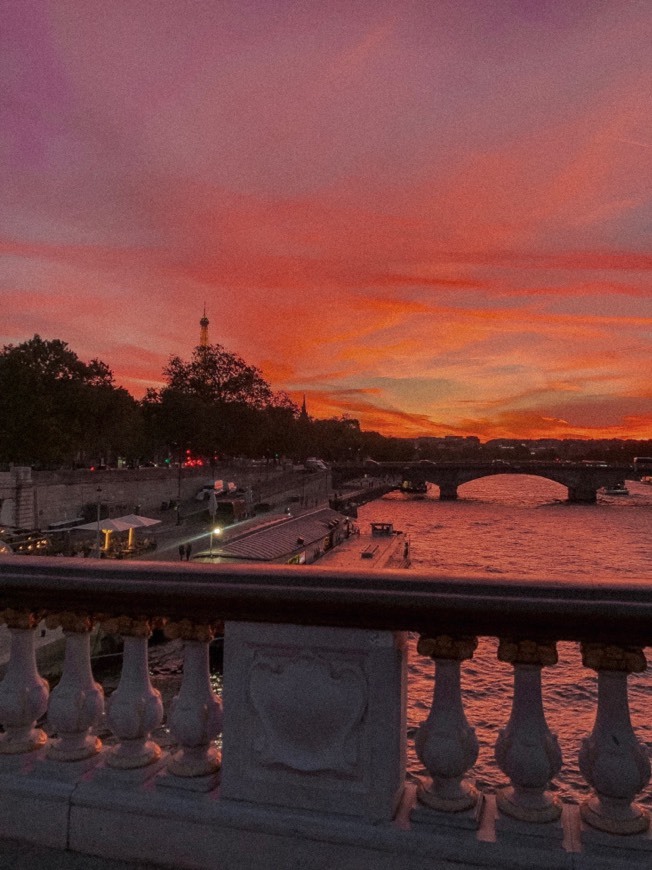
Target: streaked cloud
[(434, 217)]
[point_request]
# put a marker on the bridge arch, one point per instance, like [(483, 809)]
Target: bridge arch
[(580, 487), (524, 484)]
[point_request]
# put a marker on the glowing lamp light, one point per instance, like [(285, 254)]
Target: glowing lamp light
[(216, 531)]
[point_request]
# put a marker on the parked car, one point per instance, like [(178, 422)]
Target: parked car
[(313, 464), (205, 492)]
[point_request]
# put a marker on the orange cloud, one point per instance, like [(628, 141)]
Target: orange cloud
[(358, 404), (380, 209)]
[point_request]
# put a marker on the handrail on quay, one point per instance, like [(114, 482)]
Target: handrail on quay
[(559, 607), (306, 762)]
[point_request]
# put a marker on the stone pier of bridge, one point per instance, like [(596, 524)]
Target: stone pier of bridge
[(448, 491), (582, 494)]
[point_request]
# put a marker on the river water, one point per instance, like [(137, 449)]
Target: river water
[(524, 527)]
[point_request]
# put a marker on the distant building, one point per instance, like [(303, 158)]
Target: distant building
[(450, 442)]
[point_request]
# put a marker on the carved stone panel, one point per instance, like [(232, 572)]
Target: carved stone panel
[(310, 731), (314, 718)]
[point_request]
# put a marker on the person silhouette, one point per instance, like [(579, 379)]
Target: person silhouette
[(188, 551), (182, 551)]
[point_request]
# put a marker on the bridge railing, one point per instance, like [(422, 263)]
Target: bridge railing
[(309, 751)]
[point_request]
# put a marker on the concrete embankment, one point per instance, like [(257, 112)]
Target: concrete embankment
[(37, 499)]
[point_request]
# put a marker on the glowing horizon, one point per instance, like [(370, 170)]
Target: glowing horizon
[(434, 218)]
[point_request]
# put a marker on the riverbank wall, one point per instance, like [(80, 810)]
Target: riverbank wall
[(39, 499)]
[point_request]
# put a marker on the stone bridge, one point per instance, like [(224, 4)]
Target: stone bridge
[(310, 771), (582, 479)]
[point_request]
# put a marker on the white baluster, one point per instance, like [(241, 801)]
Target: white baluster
[(135, 709), (195, 718), (445, 742), (526, 750), (611, 759), (77, 702), (23, 693)]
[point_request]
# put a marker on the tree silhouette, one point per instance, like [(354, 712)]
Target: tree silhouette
[(216, 375), (217, 403), (56, 409)]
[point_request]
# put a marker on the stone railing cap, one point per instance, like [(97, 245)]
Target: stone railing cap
[(546, 609)]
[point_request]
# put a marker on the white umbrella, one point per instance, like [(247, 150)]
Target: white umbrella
[(135, 521), (120, 524), (107, 525)]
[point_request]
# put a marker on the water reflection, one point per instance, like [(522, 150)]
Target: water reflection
[(523, 527)]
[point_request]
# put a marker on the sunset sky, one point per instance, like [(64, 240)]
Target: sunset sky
[(432, 216)]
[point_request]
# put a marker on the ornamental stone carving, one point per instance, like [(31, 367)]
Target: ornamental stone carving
[(128, 626), (611, 759), (135, 709), (195, 718), (23, 692), (445, 743), (314, 719), (526, 750), (527, 652), (21, 618), (187, 630), (70, 622), (609, 657), (309, 711), (77, 702), (445, 646)]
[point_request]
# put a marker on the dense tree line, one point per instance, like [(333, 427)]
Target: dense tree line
[(58, 411), (55, 409), (217, 404)]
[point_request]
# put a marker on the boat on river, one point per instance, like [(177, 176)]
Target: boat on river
[(413, 488), (618, 489), (382, 546), (298, 540)]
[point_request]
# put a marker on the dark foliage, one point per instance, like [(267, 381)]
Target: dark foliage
[(57, 410)]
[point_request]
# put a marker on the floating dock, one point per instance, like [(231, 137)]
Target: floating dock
[(382, 546)]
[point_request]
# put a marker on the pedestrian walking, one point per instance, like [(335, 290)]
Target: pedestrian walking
[(182, 551), (188, 551)]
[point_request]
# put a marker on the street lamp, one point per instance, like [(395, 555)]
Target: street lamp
[(179, 488), (214, 531), (98, 538)]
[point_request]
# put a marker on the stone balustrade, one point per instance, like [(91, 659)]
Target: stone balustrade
[(305, 765)]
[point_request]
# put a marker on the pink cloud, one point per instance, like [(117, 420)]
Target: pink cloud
[(377, 197)]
